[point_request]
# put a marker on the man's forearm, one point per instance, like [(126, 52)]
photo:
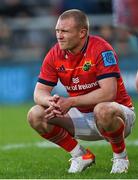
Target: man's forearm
[(42, 98), (91, 98)]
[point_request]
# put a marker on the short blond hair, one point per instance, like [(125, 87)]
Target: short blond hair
[(79, 16)]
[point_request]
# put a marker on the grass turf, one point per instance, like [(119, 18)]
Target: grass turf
[(33, 162)]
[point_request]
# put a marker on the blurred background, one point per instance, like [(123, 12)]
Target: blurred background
[(27, 33)]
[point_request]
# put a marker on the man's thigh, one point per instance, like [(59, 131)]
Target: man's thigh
[(129, 119), (84, 125)]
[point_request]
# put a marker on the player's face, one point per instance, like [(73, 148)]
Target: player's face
[(69, 36)]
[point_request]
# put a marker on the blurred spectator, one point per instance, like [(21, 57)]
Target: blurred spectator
[(125, 19), (126, 43), (107, 32), (125, 14), (5, 40)]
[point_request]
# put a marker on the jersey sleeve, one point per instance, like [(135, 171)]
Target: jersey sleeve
[(107, 62), (48, 73)]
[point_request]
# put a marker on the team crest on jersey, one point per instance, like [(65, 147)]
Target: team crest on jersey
[(87, 65)]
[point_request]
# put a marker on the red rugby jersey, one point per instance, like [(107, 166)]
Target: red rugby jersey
[(80, 73)]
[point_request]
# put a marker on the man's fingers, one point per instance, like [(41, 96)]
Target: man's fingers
[(56, 96), (49, 116), (57, 112), (48, 110), (52, 112), (55, 105)]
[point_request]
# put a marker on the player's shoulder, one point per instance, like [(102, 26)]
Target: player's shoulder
[(94, 39), (99, 44)]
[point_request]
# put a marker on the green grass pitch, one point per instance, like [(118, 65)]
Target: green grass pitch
[(24, 155)]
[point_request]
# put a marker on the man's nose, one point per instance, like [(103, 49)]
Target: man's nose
[(60, 35)]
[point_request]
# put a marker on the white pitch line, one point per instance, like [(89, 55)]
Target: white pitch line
[(46, 144)]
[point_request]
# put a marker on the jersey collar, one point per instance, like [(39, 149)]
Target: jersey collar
[(83, 50)]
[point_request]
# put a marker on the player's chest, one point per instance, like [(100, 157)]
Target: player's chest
[(76, 71)]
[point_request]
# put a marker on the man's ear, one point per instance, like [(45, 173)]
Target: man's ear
[(83, 33)]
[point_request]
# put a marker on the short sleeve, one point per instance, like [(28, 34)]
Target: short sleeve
[(107, 63), (48, 73)]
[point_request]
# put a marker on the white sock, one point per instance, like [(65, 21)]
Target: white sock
[(78, 151), (120, 155)]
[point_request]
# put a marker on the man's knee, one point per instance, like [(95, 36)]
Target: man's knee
[(105, 112), (35, 114), (35, 118)]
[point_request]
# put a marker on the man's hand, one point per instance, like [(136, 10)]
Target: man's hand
[(64, 104), (54, 109), (59, 106), (53, 101), (51, 113)]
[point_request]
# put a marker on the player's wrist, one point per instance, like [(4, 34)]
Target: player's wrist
[(46, 101), (72, 101)]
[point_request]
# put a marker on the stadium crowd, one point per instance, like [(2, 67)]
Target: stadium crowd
[(25, 32)]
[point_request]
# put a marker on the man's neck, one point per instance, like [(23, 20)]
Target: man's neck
[(81, 47)]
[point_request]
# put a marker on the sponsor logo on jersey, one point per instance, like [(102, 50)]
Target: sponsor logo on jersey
[(85, 86), (87, 65), (61, 69), (75, 80), (109, 58)]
